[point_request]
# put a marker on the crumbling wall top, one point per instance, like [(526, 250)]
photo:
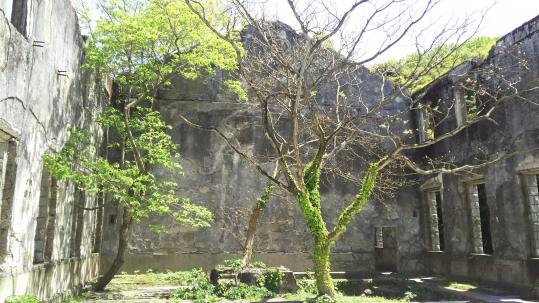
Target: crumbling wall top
[(520, 33)]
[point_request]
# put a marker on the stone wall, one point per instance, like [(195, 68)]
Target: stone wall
[(219, 179), (510, 184), (216, 177), (43, 92)]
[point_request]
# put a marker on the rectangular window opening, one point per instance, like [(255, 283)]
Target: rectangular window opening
[(440, 218), (427, 123), (77, 222), (484, 214), (46, 219), (378, 237), (112, 219), (8, 170), (41, 218), (98, 229), (533, 212)]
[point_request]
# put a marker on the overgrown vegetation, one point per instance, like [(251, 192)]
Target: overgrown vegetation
[(22, 299), (423, 64), (236, 264), (271, 280), (200, 290)]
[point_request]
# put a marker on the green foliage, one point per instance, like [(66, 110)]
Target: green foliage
[(434, 63), (200, 292), (142, 43), (143, 192), (235, 87), (248, 292), (307, 286), (22, 299), (199, 289), (272, 279), (235, 264), (194, 276), (321, 299)]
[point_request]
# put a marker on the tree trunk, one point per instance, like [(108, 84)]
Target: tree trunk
[(257, 209), (105, 279), (248, 247), (261, 203), (322, 273)]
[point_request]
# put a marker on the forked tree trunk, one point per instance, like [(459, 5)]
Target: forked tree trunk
[(104, 280)]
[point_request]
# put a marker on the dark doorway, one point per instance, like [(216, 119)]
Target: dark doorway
[(386, 250), (440, 220), (484, 213)]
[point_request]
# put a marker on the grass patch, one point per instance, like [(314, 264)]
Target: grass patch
[(462, 286), (151, 279)]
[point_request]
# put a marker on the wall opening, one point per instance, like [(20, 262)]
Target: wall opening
[(436, 223), (480, 213), (77, 222), (427, 123), (8, 170), (532, 192), (484, 213), (378, 237), (45, 219), (386, 250), (440, 217), (98, 229), (534, 215)]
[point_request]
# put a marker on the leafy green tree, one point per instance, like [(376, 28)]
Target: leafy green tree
[(430, 65), (141, 45)]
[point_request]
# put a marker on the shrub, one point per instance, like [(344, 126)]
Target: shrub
[(272, 279), (194, 276), (306, 286), (198, 293), (22, 299), (235, 264), (244, 291), (198, 288)]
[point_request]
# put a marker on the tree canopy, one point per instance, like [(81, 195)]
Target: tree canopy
[(432, 64)]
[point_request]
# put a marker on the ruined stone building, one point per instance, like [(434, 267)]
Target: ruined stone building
[(484, 225), (47, 245)]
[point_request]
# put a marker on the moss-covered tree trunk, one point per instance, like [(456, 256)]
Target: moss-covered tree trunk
[(310, 206), (322, 269)]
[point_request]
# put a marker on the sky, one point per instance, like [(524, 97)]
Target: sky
[(501, 18)]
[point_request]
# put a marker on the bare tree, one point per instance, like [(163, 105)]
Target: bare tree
[(324, 112)]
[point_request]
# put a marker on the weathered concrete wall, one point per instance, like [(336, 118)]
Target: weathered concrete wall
[(514, 259), (219, 179), (43, 92)]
